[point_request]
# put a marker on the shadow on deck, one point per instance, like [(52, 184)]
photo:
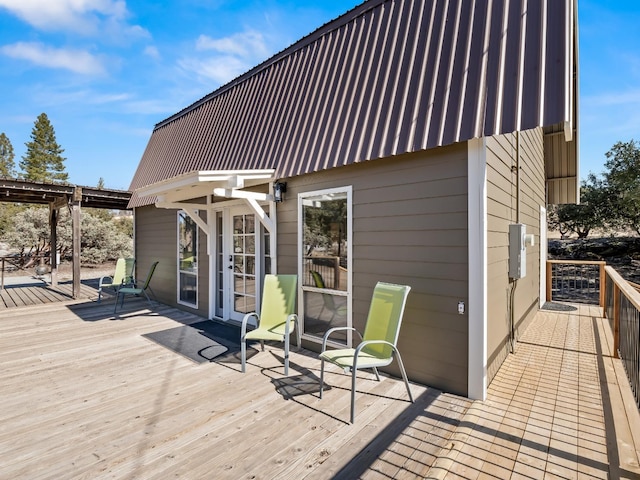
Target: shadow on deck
[(31, 290)]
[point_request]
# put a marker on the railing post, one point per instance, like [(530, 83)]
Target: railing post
[(2, 282), (549, 279), (603, 284), (616, 320)]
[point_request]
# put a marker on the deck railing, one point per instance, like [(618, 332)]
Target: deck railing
[(622, 309), (594, 282), (327, 267), (575, 281)]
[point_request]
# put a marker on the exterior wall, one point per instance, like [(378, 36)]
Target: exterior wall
[(502, 211), (156, 240), (409, 227)]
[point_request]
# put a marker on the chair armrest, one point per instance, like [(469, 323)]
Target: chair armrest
[(243, 330), (370, 342), (101, 282), (332, 330), (291, 317)]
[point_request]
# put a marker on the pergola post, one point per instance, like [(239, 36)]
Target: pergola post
[(75, 216), (53, 224)]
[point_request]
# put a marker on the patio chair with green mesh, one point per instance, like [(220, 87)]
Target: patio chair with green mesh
[(137, 290), (379, 342), (123, 275), (277, 319)]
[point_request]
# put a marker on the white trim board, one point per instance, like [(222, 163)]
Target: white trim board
[(477, 238)]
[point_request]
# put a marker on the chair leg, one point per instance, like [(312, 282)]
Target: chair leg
[(404, 376), (148, 299), (375, 370), (321, 376), (354, 371), (243, 353), (286, 356)]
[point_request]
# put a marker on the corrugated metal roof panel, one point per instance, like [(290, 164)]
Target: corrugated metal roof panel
[(388, 77)]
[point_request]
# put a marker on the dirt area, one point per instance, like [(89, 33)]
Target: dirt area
[(622, 253), (65, 271)]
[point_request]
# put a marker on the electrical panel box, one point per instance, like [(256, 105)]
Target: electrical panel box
[(517, 250)]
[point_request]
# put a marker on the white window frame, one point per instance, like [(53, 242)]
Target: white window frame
[(346, 293), (178, 270)]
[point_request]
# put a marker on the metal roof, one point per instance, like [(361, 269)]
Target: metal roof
[(387, 78)]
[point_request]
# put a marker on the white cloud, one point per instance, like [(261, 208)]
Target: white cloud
[(244, 44), (220, 69), (78, 61), (225, 58), (81, 16), (152, 51)]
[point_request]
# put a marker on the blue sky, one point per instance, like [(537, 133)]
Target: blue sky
[(106, 71)]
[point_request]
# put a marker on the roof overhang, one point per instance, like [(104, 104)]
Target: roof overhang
[(197, 184), (561, 141)]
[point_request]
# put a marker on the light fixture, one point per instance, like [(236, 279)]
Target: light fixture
[(279, 189)]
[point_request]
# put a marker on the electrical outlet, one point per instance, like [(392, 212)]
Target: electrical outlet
[(461, 308)]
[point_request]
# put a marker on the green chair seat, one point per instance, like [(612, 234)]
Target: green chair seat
[(345, 357)]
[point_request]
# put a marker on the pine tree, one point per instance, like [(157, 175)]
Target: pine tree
[(7, 165), (43, 161)]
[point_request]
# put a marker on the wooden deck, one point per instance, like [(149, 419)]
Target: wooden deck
[(85, 395), (39, 292), (560, 408)]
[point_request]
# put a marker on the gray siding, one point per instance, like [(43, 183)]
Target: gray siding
[(502, 211), (410, 227), (156, 240)]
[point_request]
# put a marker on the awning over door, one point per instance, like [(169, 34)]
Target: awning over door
[(187, 191)]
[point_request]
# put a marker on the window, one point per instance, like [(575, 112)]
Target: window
[(325, 262), (187, 260)]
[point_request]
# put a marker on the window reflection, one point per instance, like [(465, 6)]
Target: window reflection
[(325, 254), (325, 241)]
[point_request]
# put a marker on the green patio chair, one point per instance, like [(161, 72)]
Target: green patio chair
[(123, 275), (135, 290), (277, 318), (378, 346)]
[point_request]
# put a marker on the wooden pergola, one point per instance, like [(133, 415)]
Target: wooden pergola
[(57, 197)]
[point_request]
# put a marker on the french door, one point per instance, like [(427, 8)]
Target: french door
[(241, 262)]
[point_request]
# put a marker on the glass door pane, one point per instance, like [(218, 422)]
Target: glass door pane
[(243, 263), (187, 260), (220, 266)]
